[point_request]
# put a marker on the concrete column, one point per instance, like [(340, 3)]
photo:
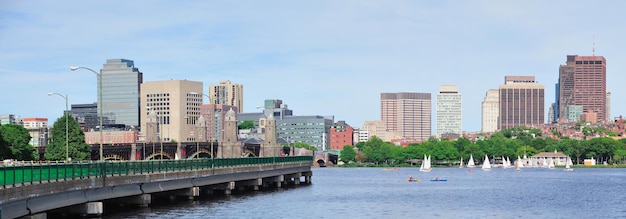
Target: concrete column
[(279, 180), (133, 152), (91, 209), (143, 200), (189, 193)]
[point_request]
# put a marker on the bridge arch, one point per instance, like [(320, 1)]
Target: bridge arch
[(202, 151), (320, 162), (114, 157), (248, 153), (160, 154)]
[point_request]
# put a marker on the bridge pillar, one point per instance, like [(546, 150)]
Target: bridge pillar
[(143, 200), (229, 188), (133, 152), (279, 180), (189, 193), (90, 209), (254, 183)]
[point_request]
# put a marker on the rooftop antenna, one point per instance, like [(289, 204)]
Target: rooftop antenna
[(593, 48)]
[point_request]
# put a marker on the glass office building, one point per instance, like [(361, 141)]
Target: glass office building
[(120, 92)]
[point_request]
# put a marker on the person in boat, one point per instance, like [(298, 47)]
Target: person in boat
[(410, 178), (437, 179)]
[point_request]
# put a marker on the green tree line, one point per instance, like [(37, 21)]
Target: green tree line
[(510, 143), (15, 142)]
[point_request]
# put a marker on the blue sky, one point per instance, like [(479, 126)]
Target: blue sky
[(319, 57)]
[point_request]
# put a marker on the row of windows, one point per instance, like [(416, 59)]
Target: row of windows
[(589, 62), (159, 104), (158, 95), (158, 100)]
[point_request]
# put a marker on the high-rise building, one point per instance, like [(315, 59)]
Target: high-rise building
[(449, 112), (582, 81), (176, 106), (522, 102), (227, 93), (120, 92), (490, 111), (407, 113)]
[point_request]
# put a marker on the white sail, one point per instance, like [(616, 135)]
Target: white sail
[(470, 163), (518, 164), (486, 164), (568, 164), (425, 164), (461, 164)]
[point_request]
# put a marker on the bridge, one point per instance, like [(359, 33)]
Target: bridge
[(31, 190)]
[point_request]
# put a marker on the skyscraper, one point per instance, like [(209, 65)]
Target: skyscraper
[(407, 113), (227, 93), (449, 112), (582, 81), (491, 110), (522, 102), (120, 92)]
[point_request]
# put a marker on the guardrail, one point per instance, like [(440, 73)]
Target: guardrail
[(28, 174)]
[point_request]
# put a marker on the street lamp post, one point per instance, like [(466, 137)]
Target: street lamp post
[(99, 75), (66, 130), (199, 124)]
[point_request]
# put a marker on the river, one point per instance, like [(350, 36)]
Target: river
[(377, 193)]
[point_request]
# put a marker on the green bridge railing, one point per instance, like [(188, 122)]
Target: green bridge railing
[(28, 174)]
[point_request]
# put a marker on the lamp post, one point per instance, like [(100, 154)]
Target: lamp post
[(99, 75), (199, 124), (66, 130)]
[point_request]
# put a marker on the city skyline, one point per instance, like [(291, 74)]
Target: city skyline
[(323, 58)]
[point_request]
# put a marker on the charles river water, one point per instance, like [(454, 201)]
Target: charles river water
[(379, 193)]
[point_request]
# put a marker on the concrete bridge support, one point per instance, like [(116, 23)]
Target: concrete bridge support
[(89, 209), (253, 183), (189, 193), (143, 200)]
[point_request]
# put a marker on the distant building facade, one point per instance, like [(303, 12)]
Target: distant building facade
[(175, 104), (38, 130), (120, 92), (582, 81), (522, 102), (227, 93), (341, 134), (490, 111), (407, 113), (6, 119), (449, 112)]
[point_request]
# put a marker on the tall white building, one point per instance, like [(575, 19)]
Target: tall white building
[(227, 93), (449, 112), (491, 111)]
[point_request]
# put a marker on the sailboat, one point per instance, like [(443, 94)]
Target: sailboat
[(486, 164), (461, 164), (425, 164), (568, 164), (470, 163), (518, 164)]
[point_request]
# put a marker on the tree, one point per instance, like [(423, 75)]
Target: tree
[(77, 148), (305, 146), (14, 143), (246, 124), (347, 154)]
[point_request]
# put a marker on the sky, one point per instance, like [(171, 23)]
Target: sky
[(320, 57)]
